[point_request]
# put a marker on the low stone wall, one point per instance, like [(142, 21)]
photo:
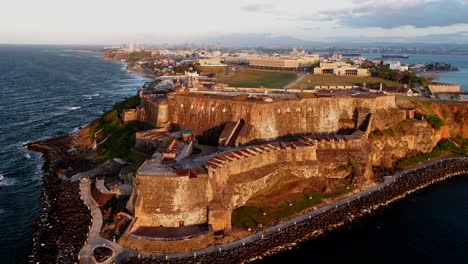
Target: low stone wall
[(313, 224)]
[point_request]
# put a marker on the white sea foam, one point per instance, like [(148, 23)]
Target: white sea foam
[(4, 181), (90, 96), (26, 155), (71, 108)]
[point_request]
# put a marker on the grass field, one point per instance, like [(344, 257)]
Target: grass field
[(254, 79), (252, 216), (205, 70), (453, 147), (330, 80)]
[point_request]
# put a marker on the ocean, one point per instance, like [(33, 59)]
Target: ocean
[(47, 91)]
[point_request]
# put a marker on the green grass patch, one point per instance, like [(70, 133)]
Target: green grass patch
[(137, 158), (255, 79), (331, 80), (136, 56), (435, 121), (120, 137), (207, 70), (129, 103), (340, 192), (454, 147), (252, 216)]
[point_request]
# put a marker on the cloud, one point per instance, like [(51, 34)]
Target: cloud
[(399, 13), (257, 8)]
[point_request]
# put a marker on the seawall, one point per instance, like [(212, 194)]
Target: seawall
[(315, 223)]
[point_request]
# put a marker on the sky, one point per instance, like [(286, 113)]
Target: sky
[(185, 21)]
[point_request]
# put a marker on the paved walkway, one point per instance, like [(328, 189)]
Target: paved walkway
[(94, 237), (300, 77), (121, 253)]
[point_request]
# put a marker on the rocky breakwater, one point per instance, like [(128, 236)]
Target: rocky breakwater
[(62, 226), (316, 223)]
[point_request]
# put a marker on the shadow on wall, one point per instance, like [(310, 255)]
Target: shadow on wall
[(211, 136)]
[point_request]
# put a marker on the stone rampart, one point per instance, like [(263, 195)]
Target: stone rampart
[(315, 223), (207, 115), (170, 201)]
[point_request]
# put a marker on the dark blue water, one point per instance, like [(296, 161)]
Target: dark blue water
[(45, 91), (429, 226)]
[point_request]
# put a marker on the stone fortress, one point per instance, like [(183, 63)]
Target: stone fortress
[(214, 151)]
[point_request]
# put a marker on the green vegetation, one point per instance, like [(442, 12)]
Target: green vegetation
[(136, 56), (384, 72), (252, 216), (207, 70), (435, 121), (129, 103), (254, 79), (453, 147), (137, 158), (120, 138), (443, 67), (181, 68), (401, 129), (331, 80)]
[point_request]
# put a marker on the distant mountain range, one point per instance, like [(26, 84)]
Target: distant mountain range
[(269, 41)]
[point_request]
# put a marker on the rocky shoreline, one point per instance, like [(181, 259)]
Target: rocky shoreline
[(62, 225)]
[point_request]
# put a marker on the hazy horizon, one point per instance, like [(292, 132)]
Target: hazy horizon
[(145, 21)]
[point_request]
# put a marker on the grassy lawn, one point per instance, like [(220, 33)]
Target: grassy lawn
[(251, 216), (121, 137), (330, 80), (454, 147), (205, 70), (255, 79)]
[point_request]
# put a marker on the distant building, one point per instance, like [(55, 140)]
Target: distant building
[(396, 65), (277, 63), (210, 62), (274, 63), (131, 47), (340, 68)]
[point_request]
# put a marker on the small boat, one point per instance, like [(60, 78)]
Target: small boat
[(1, 177)]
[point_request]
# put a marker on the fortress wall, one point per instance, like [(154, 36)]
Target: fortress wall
[(151, 113), (445, 88), (276, 119), (164, 200), (263, 158)]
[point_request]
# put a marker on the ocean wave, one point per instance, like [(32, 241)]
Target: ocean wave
[(69, 108), (6, 181), (91, 96)]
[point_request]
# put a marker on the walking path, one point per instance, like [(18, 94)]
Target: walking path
[(94, 237), (301, 76), (121, 253)]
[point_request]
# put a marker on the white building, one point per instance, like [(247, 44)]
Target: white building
[(131, 47), (396, 65)]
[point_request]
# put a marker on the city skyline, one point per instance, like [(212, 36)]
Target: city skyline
[(143, 21)]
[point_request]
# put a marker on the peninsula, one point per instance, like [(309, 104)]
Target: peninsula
[(205, 163)]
